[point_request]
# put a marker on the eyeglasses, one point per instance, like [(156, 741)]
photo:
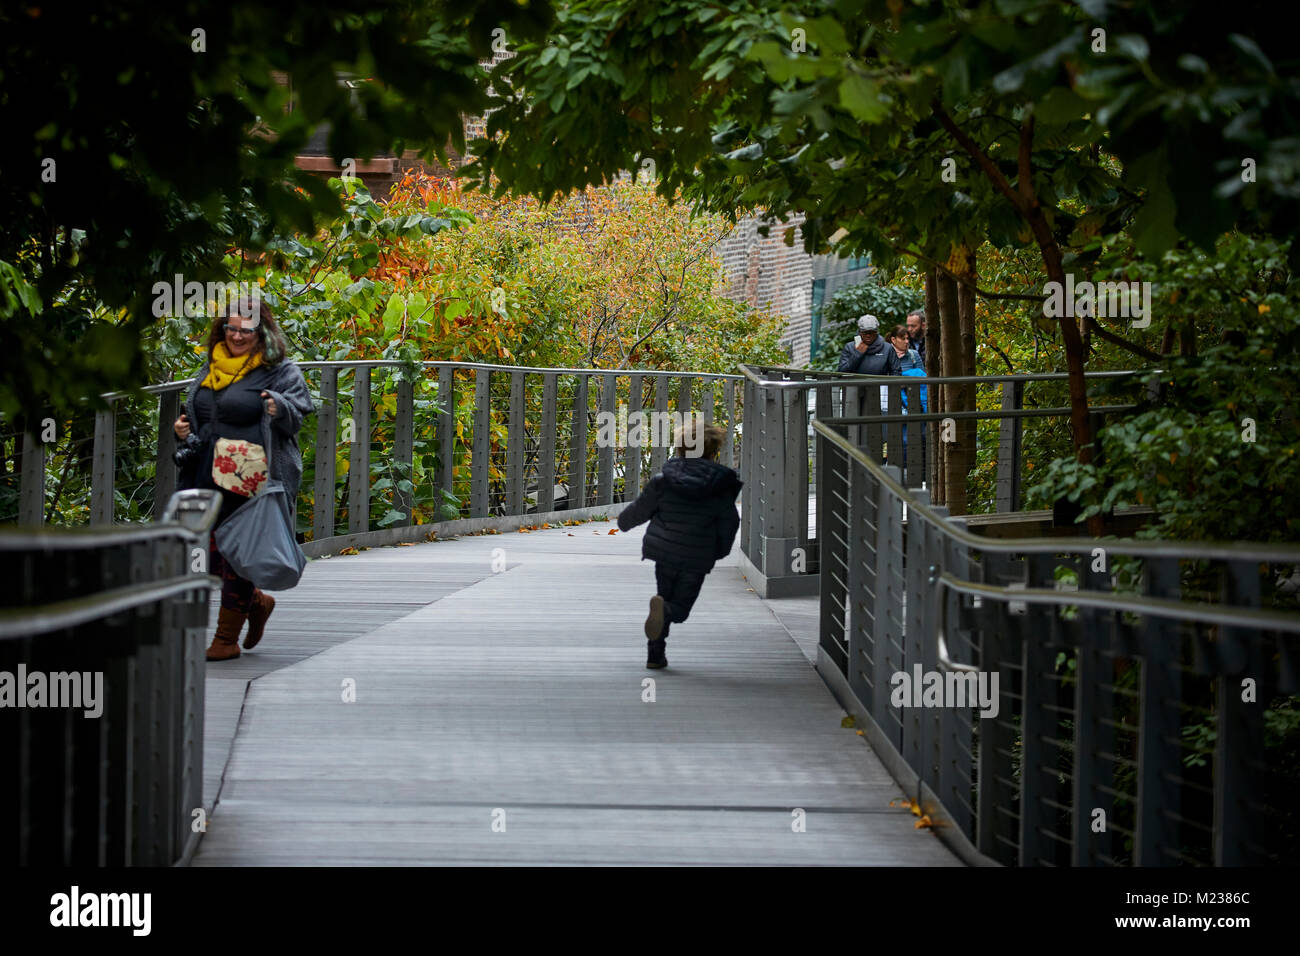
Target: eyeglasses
[(236, 330)]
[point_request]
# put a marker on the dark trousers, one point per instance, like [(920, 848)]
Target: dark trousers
[(236, 592), (679, 587)]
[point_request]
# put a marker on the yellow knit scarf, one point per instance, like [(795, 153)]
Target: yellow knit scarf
[(226, 369)]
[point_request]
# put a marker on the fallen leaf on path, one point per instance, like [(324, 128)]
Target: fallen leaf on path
[(613, 531), (924, 823), (349, 551)]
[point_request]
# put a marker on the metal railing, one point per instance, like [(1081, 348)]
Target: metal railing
[(414, 444), (1128, 724), (1128, 728), (883, 416), (103, 724)]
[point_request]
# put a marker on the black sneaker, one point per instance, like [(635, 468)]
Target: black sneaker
[(656, 654), (654, 623)]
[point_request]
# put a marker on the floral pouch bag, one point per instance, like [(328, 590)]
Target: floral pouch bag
[(239, 466)]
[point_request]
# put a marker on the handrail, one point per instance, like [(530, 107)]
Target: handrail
[(1196, 611), (58, 538), (850, 378), (23, 622), (175, 384), (1205, 550), (907, 416)]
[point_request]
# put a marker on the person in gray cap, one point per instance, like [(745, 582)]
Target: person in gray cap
[(869, 354)]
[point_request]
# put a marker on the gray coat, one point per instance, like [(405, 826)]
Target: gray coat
[(293, 404)]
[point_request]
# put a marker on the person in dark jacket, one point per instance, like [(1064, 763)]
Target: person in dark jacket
[(249, 393), (691, 507), (869, 354), (916, 333)]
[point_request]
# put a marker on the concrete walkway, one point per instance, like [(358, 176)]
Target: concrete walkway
[(503, 716)]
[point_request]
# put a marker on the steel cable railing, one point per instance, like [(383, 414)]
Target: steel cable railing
[(1064, 718)]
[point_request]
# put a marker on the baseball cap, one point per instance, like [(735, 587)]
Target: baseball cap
[(868, 323)]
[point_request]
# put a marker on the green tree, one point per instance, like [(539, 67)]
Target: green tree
[(853, 112), (141, 139)]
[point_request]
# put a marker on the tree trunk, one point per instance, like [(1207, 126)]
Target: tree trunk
[(954, 397), (933, 369), (1025, 200), (966, 322)]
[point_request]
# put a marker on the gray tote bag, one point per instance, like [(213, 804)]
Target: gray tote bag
[(257, 541)]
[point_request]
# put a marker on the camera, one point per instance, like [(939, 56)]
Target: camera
[(186, 455)]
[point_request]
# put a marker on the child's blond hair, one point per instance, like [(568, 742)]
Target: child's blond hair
[(688, 438)]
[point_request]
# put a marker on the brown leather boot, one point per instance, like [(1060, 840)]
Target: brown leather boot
[(225, 644), (261, 608)]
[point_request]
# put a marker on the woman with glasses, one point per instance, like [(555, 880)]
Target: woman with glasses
[(247, 402)]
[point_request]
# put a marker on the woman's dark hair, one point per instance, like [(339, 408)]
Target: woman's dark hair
[(270, 340), (896, 331)]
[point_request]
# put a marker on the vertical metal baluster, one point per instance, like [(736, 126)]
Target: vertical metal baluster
[(1093, 733), (480, 466), (865, 655), (1009, 442), (796, 469), (322, 516), (887, 603), (578, 446), (894, 430), (101, 475), (772, 455), (404, 450), (913, 475), (1036, 720), (873, 434), (31, 487), (659, 450), (635, 441), (606, 451), (954, 752), (359, 453), (444, 472), (515, 447), (1159, 754), (834, 516), (1239, 743), (729, 444), (999, 643), (546, 457), (750, 493), (164, 466)]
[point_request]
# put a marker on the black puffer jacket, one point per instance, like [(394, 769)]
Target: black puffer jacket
[(691, 507)]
